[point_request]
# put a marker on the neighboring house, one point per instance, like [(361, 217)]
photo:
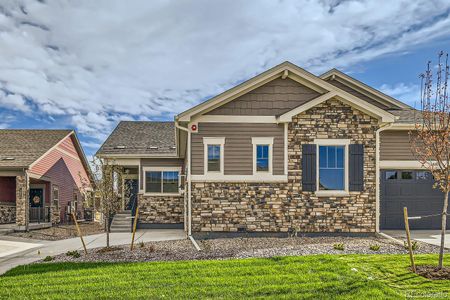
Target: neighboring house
[(284, 151), (41, 173)]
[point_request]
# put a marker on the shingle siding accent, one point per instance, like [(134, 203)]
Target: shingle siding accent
[(280, 207), (395, 145), (238, 156), (274, 98)]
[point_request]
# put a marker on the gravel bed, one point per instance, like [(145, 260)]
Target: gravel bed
[(242, 248), (60, 232)]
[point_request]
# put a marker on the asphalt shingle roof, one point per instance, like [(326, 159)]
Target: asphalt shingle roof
[(22, 147), (141, 137), (406, 116)]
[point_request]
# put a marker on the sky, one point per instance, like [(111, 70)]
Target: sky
[(86, 65)]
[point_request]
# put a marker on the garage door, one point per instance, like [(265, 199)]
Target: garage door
[(413, 189)]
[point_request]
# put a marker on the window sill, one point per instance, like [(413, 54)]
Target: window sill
[(332, 193)]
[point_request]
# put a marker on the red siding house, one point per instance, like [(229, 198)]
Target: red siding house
[(41, 177)]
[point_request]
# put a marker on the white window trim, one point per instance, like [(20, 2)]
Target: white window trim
[(332, 142), (161, 169), (213, 141), (55, 187), (262, 141)]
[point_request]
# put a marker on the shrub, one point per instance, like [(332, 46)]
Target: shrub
[(151, 248), (74, 254), (374, 247), (414, 245), (141, 244), (48, 258), (339, 246)]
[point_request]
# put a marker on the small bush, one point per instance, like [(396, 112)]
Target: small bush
[(141, 244), (48, 258), (339, 246), (151, 248), (414, 245), (74, 254), (374, 247)]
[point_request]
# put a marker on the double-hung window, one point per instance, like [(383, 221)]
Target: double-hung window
[(332, 165), (332, 168), (213, 155), (162, 181), (262, 154)]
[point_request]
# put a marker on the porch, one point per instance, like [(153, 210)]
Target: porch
[(25, 203)]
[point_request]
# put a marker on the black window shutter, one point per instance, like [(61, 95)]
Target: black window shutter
[(356, 167), (309, 167)]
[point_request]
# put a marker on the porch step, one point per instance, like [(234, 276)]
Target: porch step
[(121, 222)]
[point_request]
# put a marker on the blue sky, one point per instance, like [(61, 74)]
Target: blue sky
[(89, 64)]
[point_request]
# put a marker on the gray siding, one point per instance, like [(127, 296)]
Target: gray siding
[(358, 94), (395, 145), (238, 146), (273, 98), (159, 162)]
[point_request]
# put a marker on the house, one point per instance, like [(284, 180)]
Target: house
[(283, 151), (41, 175)]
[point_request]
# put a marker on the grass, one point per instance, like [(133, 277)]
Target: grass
[(314, 277)]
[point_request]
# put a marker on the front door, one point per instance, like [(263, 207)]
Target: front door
[(131, 191), (36, 204)]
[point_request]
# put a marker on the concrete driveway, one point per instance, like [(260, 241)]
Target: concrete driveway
[(16, 251), (432, 237)]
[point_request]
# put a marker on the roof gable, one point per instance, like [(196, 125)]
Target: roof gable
[(19, 148), (362, 90), (283, 71), (287, 94)]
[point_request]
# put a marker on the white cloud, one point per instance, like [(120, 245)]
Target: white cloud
[(408, 93), (96, 62), (13, 102)]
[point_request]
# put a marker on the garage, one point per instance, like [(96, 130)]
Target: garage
[(413, 189)]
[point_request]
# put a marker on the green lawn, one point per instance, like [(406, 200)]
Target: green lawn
[(318, 277)]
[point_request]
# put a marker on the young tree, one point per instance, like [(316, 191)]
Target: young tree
[(108, 177), (430, 141)]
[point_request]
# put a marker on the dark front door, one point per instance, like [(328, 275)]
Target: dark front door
[(131, 191), (412, 189), (37, 213)]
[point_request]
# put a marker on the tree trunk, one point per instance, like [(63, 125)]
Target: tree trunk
[(444, 225), (107, 231)]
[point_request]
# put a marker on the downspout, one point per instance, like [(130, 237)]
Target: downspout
[(188, 177), (377, 175)]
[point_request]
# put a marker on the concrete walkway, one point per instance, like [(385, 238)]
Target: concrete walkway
[(432, 237), (16, 251)]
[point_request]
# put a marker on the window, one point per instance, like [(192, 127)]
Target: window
[(213, 158), (213, 154), (55, 195), (331, 167), (162, 182), (407, 175), (423, 175), (262, 158), (390, 175), (262, 155)]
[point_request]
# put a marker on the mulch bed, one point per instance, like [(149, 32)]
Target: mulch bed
[(242, 248), (432, 272), (60, 232)]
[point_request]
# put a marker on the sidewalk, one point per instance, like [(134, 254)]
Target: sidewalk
[(19, 251)]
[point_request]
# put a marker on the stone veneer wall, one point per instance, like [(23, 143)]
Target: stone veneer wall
[(161, 209), (7, 212), (22, 200), (281, 207)]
